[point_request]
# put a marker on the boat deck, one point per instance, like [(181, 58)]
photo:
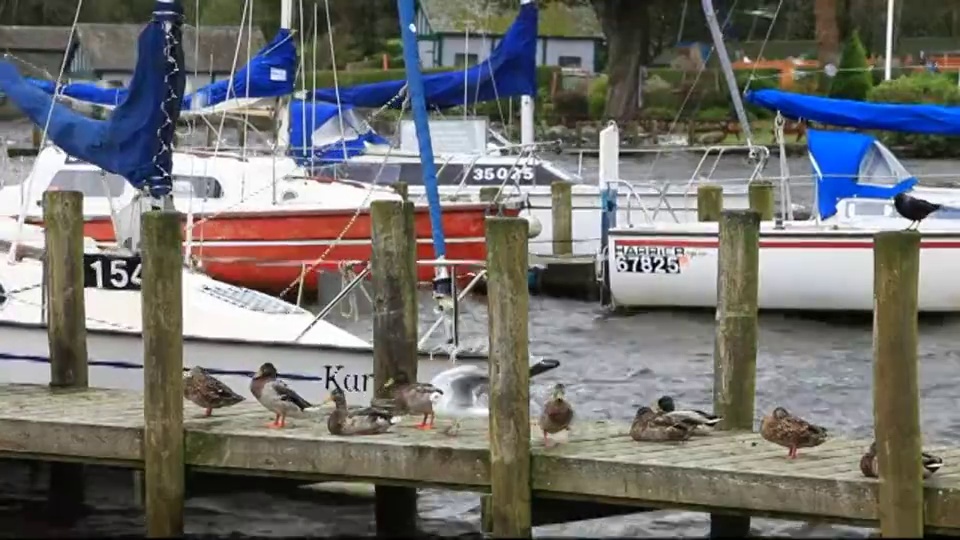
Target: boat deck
[(735, 473)]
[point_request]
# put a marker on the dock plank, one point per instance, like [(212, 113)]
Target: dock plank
[(735, 471)]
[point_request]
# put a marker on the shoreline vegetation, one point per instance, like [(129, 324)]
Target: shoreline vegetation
[(683, 104)]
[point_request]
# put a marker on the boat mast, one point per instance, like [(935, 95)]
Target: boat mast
[(283, 103), (526, 112), (710, 13), (418, 104), (888, 60)]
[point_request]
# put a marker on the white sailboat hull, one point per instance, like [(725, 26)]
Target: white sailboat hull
[(803, 267)]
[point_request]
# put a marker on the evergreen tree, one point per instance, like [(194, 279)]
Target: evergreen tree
[(853, 80)]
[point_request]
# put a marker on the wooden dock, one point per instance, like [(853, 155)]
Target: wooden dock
[(732, 472)]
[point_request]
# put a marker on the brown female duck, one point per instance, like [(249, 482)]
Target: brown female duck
[(362, 421), (557, 413), (781, 427), (207, 391), (870, 465), (414, 397), (649, 425)]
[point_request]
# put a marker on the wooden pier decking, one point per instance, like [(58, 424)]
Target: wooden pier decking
[(736, 473)]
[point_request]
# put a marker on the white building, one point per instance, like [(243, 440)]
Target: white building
[(457, 32)]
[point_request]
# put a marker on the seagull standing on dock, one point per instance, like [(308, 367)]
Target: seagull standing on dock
[(914, 209), (276, 396), (466, 389)]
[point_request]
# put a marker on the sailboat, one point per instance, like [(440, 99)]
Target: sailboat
[(822, 264), (228, 329), (258, 221)]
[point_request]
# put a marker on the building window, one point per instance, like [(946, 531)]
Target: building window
[(458, 59), (202, 187), (90, 183), (569, 61)]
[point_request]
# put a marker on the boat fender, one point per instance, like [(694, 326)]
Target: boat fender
[(534, 227)]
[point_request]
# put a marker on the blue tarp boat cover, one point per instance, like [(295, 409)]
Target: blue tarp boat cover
[(135, 141), (905, 118), (509, 71), (270, 73), (841, 160), (316, 138)]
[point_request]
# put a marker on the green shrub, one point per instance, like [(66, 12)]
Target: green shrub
[(597, 97), (923, 87), (853, 80)]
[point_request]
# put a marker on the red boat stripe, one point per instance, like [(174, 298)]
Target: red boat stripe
[(779, 244)]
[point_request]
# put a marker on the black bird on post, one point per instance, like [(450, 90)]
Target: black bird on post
[(914, 209)]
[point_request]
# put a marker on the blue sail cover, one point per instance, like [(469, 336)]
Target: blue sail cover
[(840, 158), (270, 73), (318, 120), (135, 141), (86, 92), (924, 119), (511, 70)]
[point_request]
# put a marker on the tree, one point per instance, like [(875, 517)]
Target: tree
[(854, 79), (626, 26), (827, 31)]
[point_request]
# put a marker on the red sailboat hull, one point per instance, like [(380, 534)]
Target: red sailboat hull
[(270, 251)]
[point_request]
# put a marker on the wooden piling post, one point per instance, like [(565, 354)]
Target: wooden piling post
[(709, 202), (761, 197), (66, 329), (735, 344), (162, 305), (36, 137), (896, 402), (508, 308), (561, 210), (394, 275)]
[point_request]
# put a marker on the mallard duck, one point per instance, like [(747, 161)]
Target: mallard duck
[(414, 397), (557, 413), (781, 427), (700, 421), (276, 396), (649, 425), (870, 465), (207, 391), (363, 421)]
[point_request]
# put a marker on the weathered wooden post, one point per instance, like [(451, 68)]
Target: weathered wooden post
[(896, 403), (709, 202), (735, 345), (394, 273), (36, 137), (162, 305), (761, 197), (66, 328), (561, 210), (508, 308)]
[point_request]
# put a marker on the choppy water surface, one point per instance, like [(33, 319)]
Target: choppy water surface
[(821, 370)]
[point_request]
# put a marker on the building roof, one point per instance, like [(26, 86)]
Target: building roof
[(557, 19), (112, 47), (34, 38)]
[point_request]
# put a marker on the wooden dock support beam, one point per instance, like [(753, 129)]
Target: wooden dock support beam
[(561, 211), (896, 396), (761, 197), (508, 309), (735, 345), (66, 330), (394, 275), (709, 202), (162, 307)]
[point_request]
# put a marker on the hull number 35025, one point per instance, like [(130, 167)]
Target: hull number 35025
[(649, 259)]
